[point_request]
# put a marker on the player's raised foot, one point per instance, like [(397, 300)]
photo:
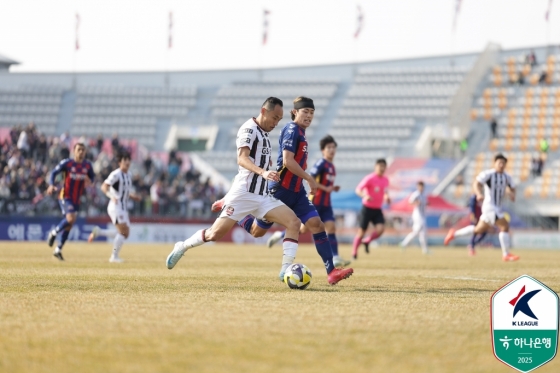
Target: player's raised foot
[(115, 259), (340, 262), (510, 258), (274, 238), (450, 236), (471, 251), (218, 205), (58, 255), (52, 237), (338, 275), (355, 257), (366, 246), (93, 234), (176, 255)]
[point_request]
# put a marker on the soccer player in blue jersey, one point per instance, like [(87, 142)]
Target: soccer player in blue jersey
[(291, 166), (75, 172), (324, 173)]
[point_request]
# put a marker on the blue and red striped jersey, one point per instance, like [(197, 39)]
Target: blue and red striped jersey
[(475, 207), (292, 138), (75, 174), (324, 173)]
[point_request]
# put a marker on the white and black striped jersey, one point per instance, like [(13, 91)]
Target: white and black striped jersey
[(495, 185), (256, 139), (121, 185), (420, 208)]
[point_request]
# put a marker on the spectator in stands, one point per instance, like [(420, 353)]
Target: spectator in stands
[(65, 140), (155, 194), (42, 149), (4, 189), (54, 150), (494, 128), (23, 143), (115, 144), (464, 146), (99, 144), (534, 166), (543, 76), (531, 58), (147, 164)]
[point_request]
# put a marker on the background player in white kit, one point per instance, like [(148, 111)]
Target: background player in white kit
[(249, 192), (118, 187), (491, 186), (419, 200)]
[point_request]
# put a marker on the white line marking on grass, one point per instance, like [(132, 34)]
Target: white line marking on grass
[(463, 278)]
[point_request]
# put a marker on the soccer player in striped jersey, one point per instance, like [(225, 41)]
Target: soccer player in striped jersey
[(324, 173), (419, 200), (118, 188), (249, 192), (490, 187), (75, 172)]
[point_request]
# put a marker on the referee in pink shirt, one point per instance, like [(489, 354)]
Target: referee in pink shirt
[(373, 191)]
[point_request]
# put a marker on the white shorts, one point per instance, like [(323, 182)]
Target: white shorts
[(491, 213), (117, 214), (418, 223), (239, 203)]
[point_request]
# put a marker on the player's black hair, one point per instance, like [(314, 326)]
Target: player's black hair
[(500, 156), (420, 183), (326, 141), (300, 99), (79, 144), (123, 154), (381, 161), (271, 102)]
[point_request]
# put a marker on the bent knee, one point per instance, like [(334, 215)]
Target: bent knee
[(257, 231)]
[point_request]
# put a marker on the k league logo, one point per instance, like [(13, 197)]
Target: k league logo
[(524, 322)]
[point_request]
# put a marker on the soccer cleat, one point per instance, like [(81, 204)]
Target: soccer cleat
[(176, 255), (340, 262), (338, 275), (274, 238), (471, 251), (93, 234), (51, 238), (355, 257), (115, 259), (510, 258), (58, 255), (218, 205), (450, 236), (366, 246), (281, 275)]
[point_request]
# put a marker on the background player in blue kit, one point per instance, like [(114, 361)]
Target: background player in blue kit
[(75, 172), (324, 173)]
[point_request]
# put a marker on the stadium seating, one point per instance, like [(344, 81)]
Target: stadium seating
[(130, 112), (24, 104)]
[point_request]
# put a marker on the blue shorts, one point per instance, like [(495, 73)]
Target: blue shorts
[(298, 202), (68, 207), (325, 213)]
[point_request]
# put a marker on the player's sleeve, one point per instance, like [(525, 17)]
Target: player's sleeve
[(90, 173), (413, 197), (483, 177), (363, 183), (58, 169), (289, 139), (113, 180), (246, 137), (317, 168)]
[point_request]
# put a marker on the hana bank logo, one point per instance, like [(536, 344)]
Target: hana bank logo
[(521, 303)]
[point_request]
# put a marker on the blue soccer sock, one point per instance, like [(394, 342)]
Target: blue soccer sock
[(246, 223), (62, 225), (477, 238), (334, 244), (63, 238), (324, 249)]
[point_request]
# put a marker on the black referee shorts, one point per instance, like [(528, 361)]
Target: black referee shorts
[(368, 215)]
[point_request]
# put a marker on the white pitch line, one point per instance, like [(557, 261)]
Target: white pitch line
[(463, 278)]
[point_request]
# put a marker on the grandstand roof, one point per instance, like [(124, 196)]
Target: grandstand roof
[(6, 62)]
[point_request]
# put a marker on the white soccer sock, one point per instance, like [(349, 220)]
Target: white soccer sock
[(422, 239), (195, 240), (106, 233), (117, 244), (468, 230), (57, 249), (504, 242), (290, 250), (409, 237)]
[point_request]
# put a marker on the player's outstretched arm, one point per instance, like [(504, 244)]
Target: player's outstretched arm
[(290, 163), (478, 190)]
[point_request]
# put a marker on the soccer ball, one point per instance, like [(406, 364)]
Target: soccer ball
[(297, 276)]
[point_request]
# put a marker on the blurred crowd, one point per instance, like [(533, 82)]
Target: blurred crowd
[(27, 157)]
